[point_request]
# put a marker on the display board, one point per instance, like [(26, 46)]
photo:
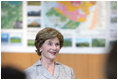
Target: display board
[(87, 26)]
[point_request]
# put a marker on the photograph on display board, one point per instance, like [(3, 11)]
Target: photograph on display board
[(82, 42), (98, 42), (34, 11), (113, 5), (67, 42), (30, 42), (34, 8), (11, 15), (34, 3), (4, 38), (16, 39), (34, 23)]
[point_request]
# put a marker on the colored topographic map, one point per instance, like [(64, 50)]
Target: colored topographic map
[(67, 14)]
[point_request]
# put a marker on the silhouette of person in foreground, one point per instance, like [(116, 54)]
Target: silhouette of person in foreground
[(111, 64), (11, 73)]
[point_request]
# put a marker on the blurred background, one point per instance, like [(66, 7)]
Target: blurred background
[(89, 29)]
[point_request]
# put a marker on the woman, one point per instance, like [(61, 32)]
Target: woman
[(48, 43)]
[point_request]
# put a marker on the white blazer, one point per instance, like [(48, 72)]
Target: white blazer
[(37, 71)]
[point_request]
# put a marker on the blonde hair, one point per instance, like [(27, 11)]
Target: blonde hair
[(47, 33)]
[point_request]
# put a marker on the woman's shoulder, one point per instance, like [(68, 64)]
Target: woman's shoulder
[(33, 67), (65, 69), (29, 69), (63, 66)]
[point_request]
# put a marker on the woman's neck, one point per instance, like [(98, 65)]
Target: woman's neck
[(48, 64)]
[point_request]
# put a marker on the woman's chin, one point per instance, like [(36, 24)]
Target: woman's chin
[(52, 57)]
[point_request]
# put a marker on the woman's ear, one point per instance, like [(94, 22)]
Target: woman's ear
[(40, 49)]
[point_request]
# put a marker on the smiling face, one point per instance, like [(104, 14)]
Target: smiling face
[(50, 48)]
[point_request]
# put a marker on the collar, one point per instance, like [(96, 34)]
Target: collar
[(38, 63)]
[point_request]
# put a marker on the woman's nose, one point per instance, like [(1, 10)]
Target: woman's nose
[(54, 47)]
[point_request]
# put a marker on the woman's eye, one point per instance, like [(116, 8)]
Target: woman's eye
[(49, 43), (57, 44)]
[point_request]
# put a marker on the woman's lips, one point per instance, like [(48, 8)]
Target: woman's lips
[(53, 53)]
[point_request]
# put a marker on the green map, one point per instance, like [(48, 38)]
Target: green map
[(11, 14)]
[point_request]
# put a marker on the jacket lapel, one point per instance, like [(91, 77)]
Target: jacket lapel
[(42, 72), (56, 71)]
